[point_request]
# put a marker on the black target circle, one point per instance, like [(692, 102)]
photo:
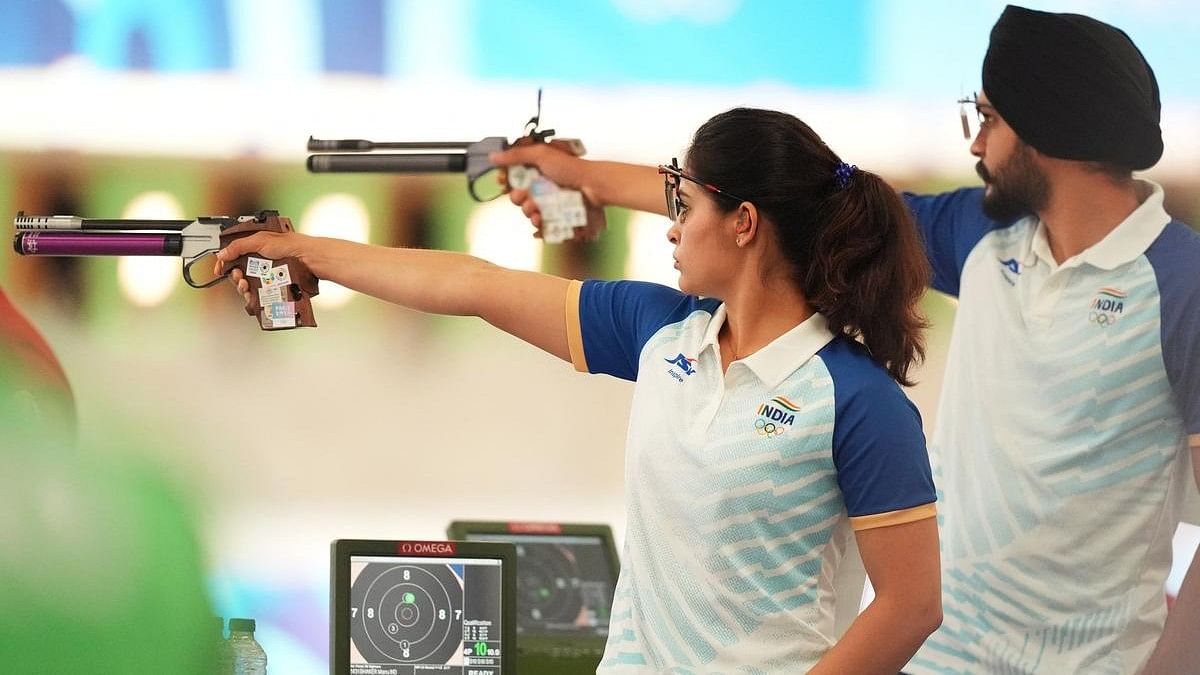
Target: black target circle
[(549, 580), (407, 613)]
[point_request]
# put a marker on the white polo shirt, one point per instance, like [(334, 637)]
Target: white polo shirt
[(1062, 445), (743, 488)]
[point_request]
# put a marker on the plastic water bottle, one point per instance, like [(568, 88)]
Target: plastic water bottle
[(248, 656), (223, 650)]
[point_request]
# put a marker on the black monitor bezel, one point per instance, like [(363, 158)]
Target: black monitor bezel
[(341, 550), (462, 529)]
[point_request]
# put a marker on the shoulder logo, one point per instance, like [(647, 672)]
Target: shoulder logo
[(1011, 266), (683, 363), (775, 416), (1107, 306)]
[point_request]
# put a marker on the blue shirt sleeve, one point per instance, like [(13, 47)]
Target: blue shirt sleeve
[(878, 444), (951, 224), (617, 318), (1175, 257)]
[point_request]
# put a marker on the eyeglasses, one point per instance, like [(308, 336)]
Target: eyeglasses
[(982, 116), (672, 176)]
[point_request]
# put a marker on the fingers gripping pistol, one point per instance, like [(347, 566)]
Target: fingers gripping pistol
[(282, 290), (565, 214)]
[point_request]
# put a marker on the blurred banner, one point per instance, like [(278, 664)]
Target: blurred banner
[(224, 78), (851, 45)]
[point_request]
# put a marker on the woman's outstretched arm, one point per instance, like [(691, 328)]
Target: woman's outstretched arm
[(528, 305)]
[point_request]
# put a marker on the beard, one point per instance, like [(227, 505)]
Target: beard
[(1017, 188)]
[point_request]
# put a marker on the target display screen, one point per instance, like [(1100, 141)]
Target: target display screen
[(411, 615), (564, 583)]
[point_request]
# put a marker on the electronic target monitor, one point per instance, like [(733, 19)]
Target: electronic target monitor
[(566, 578), (413, 607)]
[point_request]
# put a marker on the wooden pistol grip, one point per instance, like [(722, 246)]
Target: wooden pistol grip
[(596, 222), (303, 283)]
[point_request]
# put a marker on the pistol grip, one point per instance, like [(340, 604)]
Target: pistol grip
[(299, 292), (595, 220), (301, 284)]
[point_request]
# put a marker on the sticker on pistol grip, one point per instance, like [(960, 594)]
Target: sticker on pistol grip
[(279, 315), (281, 275), (257, 267), (562, 210), (268, 295), (521, 176)]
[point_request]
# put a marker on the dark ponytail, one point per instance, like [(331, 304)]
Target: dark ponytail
[(851, 242), (868, 271)]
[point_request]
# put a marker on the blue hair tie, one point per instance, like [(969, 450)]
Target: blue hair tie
[(842, 174)]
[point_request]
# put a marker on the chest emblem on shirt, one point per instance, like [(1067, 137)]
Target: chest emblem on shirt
[(683, 363), (775, 416), (1107, 306)]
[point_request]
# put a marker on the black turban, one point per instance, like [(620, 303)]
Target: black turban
[(1073, 88)]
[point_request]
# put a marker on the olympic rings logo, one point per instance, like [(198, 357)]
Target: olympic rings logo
[(1102, 318), (768, 428)]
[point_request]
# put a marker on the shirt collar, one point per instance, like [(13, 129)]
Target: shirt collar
[(1126, 242), (783, 355), (714, 330)]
